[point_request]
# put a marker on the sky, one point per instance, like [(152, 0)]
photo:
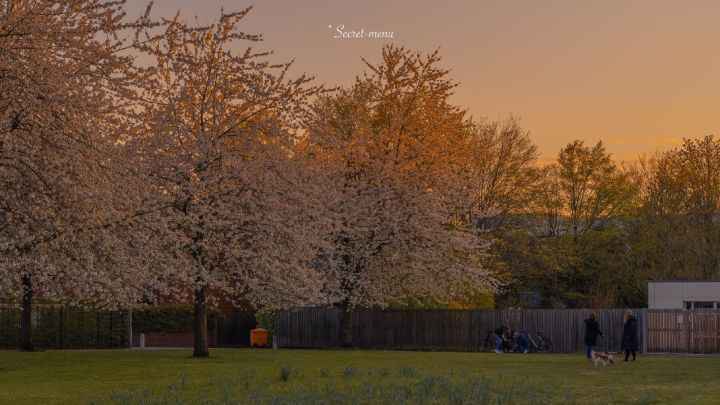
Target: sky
[(638, 75)]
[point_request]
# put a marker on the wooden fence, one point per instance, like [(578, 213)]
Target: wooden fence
[(63, 327), (660, 331), (449, 329), (60, 327), (672, 331)]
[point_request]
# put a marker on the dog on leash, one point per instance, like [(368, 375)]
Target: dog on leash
[(602, 358)]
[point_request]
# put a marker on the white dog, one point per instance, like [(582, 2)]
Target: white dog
[(604, 358)]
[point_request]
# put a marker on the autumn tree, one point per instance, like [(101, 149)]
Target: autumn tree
[(214, 141), (494, 184), (678, 229), (686, 180), (64, 87), (496, 171), (593, 188), (547, 203), (387, 142), (573, 248)]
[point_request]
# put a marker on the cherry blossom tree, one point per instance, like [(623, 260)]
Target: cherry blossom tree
[(390, 142), (215, 138), (64, 92)]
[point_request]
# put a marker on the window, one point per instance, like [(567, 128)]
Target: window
[(702, 305)]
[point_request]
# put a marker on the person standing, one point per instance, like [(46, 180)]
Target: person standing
[(592, 331), (499, 339), (630, 337)]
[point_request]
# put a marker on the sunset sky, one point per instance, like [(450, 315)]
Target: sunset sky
[(640, 75)]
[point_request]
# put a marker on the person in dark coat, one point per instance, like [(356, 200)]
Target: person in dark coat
[(592, 331), (499, 339), (522, 342), (630, 336)]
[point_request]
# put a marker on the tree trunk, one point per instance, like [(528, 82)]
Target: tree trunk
[(346, 332), (25, 343), (200, 336)]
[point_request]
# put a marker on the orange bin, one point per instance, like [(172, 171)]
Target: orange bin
[(259, 337)]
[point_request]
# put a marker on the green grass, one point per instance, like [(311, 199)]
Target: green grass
[(79, 377)]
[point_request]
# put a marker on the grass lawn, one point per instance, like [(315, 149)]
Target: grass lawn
[(81, 377)]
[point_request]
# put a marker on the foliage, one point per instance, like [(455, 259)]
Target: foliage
[(213, 139), (208, 173), (495, 170), (574, 249), (269, 320), (393, 237), (213, 142), (469, 300), (166, 319), (592, 188), (679, 225), (601, 231), (65, 83), (58, 327)]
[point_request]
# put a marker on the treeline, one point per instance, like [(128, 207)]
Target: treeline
[(596, 231), (208, 175)]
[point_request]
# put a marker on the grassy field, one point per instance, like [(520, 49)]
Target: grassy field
[(118, 376)]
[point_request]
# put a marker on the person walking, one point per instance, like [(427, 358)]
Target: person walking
[(630, 337), (592, 331)]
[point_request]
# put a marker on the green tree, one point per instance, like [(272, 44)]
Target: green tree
[(573, 248), (678, 229), (592, 186)]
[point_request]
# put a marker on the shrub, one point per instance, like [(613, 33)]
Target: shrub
[(167, 319), (268, 320)]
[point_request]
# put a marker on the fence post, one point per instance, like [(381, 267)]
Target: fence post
[(129, 329), (217, 334), (83, 332), (61, 342), (689, 331), (645, 330), (97, 330)]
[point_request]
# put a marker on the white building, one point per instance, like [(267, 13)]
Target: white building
[(684, 295)]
